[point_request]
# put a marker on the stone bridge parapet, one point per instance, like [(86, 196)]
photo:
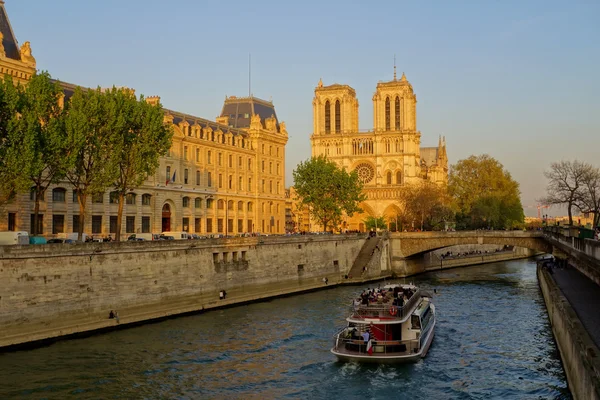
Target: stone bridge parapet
[(407, 244)]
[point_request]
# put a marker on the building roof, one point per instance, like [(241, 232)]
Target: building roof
[(240, 111), (11, 47), (429, 155)]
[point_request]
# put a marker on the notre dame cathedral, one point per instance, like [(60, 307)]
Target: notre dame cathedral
[(389, 156)]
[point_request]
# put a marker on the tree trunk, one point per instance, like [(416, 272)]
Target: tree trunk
[(120, 217), (81, 198), (570, 213), (36, 213)]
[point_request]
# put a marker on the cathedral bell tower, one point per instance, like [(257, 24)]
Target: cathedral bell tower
[(335, 110), (395, 106)]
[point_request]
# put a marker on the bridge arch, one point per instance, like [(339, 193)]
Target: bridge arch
[(409, 244)]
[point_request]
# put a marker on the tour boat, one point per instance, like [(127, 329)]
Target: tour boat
[(393, 324)]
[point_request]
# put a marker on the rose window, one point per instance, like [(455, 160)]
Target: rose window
[(365, 172)]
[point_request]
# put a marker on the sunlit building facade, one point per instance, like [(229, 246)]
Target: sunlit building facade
[(387, 157), (223, 177)]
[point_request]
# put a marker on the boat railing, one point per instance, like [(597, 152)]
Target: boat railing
[(379, 347), (386, 310)]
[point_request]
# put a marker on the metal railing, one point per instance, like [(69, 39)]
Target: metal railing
[(386, 310), (359, 346)]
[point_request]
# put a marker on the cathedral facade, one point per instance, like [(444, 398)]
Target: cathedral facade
[(386, 158), (223, 177)]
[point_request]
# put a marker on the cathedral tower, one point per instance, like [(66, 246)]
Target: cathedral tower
[(335, 109)]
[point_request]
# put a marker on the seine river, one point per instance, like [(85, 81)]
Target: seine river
[(493, 341)]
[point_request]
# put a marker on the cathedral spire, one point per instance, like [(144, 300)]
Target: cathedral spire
[(403, 79)]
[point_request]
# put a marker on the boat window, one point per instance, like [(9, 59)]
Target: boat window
[(415, 322)]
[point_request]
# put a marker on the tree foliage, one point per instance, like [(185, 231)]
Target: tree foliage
[(566, 184), (427, 204), (485, 194), (139, 138), (374, 224), (89, 123), (41, 137), (12, 179), (328, 191)]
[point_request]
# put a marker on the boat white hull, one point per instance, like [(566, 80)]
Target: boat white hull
[(388, 358)]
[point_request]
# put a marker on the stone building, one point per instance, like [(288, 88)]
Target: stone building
[(219, 177), (387, 157)]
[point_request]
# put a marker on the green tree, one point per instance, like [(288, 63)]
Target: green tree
[(485, 194), (374, 224), (89, 121), (139, 138), (427, 203), (12, 178), (328, 191), (41, 137)]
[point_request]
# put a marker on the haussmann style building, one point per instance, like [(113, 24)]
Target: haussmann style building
[(387, 157), (223, 177)]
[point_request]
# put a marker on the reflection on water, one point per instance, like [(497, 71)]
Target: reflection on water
[(493, 340)]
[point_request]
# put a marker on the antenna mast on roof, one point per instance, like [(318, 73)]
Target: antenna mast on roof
[(249, 75), (394, 67)]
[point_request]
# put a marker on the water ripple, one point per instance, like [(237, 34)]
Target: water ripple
[(493, 341)]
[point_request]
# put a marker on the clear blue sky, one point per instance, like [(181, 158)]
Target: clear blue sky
[(518, 80)]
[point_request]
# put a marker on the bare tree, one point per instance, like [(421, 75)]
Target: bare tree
[(590, 198), (566, 184)]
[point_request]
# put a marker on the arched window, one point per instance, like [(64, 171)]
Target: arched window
[(209, 203), (113, 198), (220, 204), (209, 179), (240, 206), (327, 117), (59, 195), (338, 118), (230, 205), (397, 113), (198, 202), (398, 177), (249, 206), (130, 198), (186, 201), (389, 178), (387, 114), (146, 198)]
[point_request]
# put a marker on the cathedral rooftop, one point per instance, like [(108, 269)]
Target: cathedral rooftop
[(7, 37)]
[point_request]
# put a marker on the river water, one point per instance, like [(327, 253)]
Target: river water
[(493, 340)]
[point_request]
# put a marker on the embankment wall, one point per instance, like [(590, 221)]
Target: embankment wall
[(55, 290), (578, 352)]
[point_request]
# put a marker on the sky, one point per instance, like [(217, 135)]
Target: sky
[(518, 80)]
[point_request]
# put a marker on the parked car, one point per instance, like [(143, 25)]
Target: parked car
[(11, 237), (60, 240), (37, 240)]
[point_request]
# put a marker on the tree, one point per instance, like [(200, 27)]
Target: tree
[(327, 190), (565, 184), (590, 196), (427, 203), (139, 138), (41, 137), (91, 169), (485, 194), (374, 224), (12, 179)]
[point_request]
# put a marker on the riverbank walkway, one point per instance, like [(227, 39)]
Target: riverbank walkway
[(584, 296)]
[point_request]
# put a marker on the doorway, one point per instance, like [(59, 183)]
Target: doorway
[(166, 218)]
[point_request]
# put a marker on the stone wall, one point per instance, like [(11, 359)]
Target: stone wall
[(40, 286), (578, 352)]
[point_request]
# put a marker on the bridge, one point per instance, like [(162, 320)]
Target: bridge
[(409, 244)]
